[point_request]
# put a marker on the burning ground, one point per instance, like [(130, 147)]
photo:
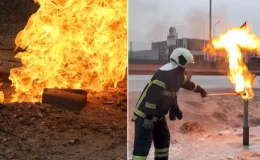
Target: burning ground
[(80, 57), (34, 131), (210, 129)]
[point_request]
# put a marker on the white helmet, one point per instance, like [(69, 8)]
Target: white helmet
[(182, 57)]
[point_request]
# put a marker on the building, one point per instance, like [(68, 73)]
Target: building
[(162, 49), (194, 45), (145, 54), (160, 46)]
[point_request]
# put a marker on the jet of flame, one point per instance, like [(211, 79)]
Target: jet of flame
[(233, 41), (79, 44)]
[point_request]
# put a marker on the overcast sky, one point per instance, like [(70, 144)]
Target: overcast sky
[(149, 20)]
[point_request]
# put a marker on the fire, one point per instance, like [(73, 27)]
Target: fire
[(2, 97), (234, 42), (79, 44)]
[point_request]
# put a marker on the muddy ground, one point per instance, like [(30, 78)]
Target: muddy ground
[(211, 129)]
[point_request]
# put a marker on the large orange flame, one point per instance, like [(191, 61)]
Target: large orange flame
[(233, 41), (78, 44)]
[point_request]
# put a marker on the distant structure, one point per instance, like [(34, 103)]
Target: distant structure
[(171, 40), (145, 54), (161, 50), (194, 45), (172, 37)]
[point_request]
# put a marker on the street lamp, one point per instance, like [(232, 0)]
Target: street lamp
[(214, 37), (214, 29), (205, 54)]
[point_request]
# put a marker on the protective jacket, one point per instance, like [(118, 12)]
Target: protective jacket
[(160, 94)]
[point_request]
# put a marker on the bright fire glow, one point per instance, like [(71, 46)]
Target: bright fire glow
[(2, 97), (79, 44), (236, 41)]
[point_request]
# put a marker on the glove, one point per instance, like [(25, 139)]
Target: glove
[(203, 93), (148, 123), (175, 113)]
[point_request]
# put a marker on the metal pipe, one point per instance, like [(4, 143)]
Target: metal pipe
[(222, 94), (245, 125)]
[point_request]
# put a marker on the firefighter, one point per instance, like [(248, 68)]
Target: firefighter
[(159, 98)]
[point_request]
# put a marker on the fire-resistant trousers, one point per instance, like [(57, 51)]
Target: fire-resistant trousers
[(160, 136)]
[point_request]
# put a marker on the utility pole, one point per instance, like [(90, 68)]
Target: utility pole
[(210, 24), (210, 20), (205, 55)]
